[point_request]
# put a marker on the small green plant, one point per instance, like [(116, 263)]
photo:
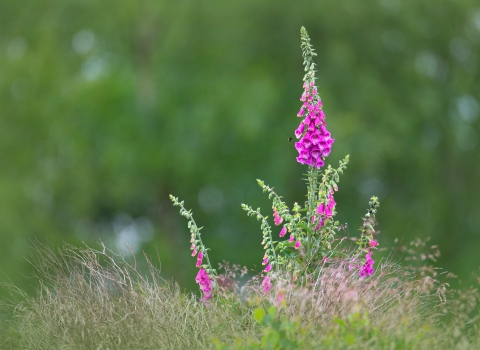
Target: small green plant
[(279, 333)]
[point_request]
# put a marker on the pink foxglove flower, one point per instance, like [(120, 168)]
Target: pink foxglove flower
[(265, 261), (283, 231), (297, 244), (367, 268), (321, 209), (266, 285), (326, 211), (199, 259), (194, 252), (291, 238), (373, 243), (277, 218), (205, 284), (320, 224), (268, 268)]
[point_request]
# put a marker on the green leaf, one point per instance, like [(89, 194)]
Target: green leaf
[(272, 310), (258, 314)]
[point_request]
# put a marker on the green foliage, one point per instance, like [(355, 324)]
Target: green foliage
[(367, 230), (267, 242), (278, 334), (355, 331), (316, 241)]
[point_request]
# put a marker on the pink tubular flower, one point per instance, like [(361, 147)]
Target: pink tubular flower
[(320, 224), (268, 268), (194, 252), (277, 218), (367, 268), (373, 243), (321, 209), (283, 231), (327, 210), (192, 247), (265, 261), (266, 285), (291, 239), (299, 131), (205, 284), (297, 244), (199, 259)]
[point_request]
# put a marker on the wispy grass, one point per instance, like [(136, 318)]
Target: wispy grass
[(95, 299)]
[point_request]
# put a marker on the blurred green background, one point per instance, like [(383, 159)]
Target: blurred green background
[(107, 107)]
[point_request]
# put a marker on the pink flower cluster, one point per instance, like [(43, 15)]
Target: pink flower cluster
[(325, 211), (315, 142), (276, 218), (367, 268), (199, 259), (266, 285), (265, 260), (205, 284), (202, 276)]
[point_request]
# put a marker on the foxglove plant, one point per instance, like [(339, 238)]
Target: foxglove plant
[(311, 228), (366, 241), (206, 273)]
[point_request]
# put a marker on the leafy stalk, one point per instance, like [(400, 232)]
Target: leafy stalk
[(196, 238)]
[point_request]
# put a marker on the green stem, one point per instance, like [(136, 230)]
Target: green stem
[(204, 250), (265, 226), (193, 229), (312, 185), (271, 242)]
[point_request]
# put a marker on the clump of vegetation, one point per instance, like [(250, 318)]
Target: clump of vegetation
[(398, 307), (95, 299)]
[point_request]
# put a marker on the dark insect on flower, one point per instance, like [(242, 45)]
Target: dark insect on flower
[(289, 139)]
